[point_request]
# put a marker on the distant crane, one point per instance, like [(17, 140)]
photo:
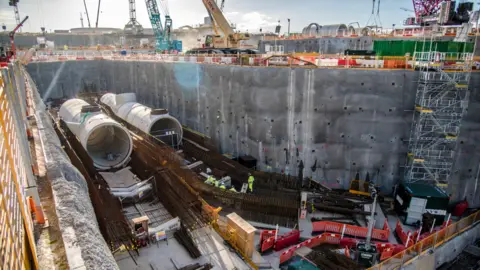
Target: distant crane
[(98, 13), (375, 18), (14, 4), (425, 8), (407, 10), (86, 11), (162, 33), (133, 26), (222, 5), (229, 39), (81, 19)]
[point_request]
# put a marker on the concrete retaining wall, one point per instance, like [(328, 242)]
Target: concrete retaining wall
[(336, 122)]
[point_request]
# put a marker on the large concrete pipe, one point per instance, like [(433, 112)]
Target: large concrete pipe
[(156, 122), (107, 142)]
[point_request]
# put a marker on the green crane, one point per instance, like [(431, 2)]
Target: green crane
[(163, 42)]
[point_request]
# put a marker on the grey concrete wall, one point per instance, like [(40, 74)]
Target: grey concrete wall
[(337, 122)]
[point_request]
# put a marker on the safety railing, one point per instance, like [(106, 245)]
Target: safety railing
[(447, 60), (435, 240)]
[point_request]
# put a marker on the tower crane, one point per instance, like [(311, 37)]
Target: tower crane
[(228, 39), (133, 26)]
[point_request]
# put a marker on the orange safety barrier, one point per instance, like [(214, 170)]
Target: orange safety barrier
[(356, 231), (394, 63), (434, 240), (325, 238), (387, 253)]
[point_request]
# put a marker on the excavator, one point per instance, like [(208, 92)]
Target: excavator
[(225, 37)]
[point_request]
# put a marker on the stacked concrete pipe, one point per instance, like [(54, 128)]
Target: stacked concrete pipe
[(157, 123), (107, 142)]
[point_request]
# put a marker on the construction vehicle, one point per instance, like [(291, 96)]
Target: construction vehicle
[(228, 39), (163, 42), (6, 55)]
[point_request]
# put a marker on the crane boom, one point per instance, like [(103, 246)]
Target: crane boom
[(217, 15), (230, 39), (98, 13)]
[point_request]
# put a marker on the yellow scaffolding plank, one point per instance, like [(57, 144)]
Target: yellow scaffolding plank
[(420, 160), (461, 85), (422, 110), (449, 137)]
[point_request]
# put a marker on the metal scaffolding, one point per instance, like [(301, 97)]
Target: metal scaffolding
[(441, 102)]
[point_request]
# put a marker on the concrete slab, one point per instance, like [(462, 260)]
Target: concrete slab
[(123, 178), (160, 255)]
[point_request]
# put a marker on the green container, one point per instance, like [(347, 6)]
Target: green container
[(402, 47)]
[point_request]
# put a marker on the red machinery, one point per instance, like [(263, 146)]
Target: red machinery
[(7, 55), (425, 8)]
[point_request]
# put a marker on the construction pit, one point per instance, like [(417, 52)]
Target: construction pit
[(154, 208)]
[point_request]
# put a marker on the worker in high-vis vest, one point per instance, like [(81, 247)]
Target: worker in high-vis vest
[(232, 189), (210, 180), (222, 186), (216, 182), (250, 182)]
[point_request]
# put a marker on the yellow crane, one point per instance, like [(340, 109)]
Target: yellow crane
[(227, 38)]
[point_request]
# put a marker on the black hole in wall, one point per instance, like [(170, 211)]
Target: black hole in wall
[(271, 120), (238, 127), (461, 142), (371, 137), (389, 110), (354, 163), (362, 83), (243, 117), (313, 151), (218, 131), (316, 109), (207, 127), (383, 166), (230, 136), (328, 123), (469, 170), (343, 136), (223, 122), (360, 109), (300, 122), (231, 113), (393, 83), (344, 108), (208, 107)]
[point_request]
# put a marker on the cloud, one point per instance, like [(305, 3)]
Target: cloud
[(253, 21)]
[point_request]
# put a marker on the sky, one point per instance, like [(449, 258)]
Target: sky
[(249, 15)]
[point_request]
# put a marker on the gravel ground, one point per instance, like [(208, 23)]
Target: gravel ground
[(84, 244)]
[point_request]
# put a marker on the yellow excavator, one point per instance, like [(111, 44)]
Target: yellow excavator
[(228, 38)]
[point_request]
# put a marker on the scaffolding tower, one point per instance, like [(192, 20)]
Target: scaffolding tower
[(441, 101)]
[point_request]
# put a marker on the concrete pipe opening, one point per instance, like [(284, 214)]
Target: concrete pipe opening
[(168, 130), (108, 146)]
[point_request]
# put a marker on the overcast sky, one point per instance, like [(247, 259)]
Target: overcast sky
[(249, 15)]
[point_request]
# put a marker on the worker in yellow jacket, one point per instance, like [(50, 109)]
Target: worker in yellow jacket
[(250, 182), (222, 186), (232, 189), (210, 180)]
